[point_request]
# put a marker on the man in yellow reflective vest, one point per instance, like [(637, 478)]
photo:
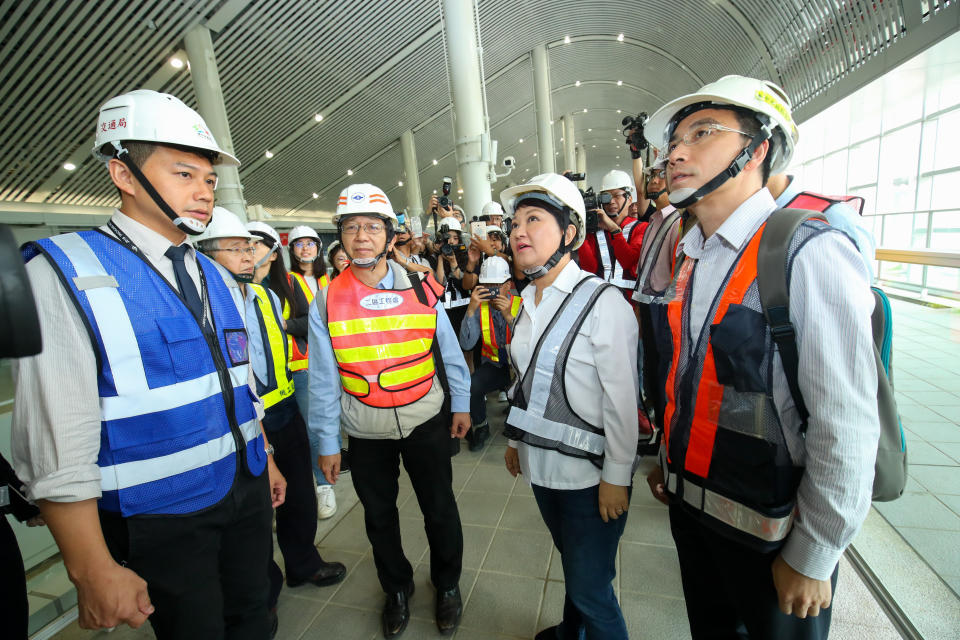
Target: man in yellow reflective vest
[(380, 344), (228, 242), (489, 317)]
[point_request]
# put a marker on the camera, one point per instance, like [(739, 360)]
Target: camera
[(591, 202), (509, 162), (444, 199), (633, 131), (492, 293)]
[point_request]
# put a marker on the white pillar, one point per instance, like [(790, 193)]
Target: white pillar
[(581, 154), (411, 174), (469, 125), (206, 84), (541, 99), (569, 142)]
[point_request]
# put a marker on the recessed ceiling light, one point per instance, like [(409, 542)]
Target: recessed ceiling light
[(589, 130), (594, 146), (460, 191), (349, 172), (618, 110), (400, 183), (69, 166), (318, 117), (269, 154), (434, 192), (435, 163), (619, 83), (315, 195), (521, 140), (584, 110), (577, 83), (176, 63), (620, 38), (534, 154), (566, 39)]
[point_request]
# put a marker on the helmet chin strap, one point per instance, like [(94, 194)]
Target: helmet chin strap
[(538, 272), (265, 258), (683, 198), (369, 263), (245, 278), (308, 260), (190, 226)]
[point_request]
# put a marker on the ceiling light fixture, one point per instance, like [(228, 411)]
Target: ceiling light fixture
[(577, 83), (268, 154), (318, 117), (620, 38), (315, 195), (349, 172), (400, 183), (619, 83), (69, 166), (176, 63), (566, 39), (435, 163)]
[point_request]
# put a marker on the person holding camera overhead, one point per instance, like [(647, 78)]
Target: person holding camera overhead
[(450, 263), (489, 315), (572, 425), (613, 249)]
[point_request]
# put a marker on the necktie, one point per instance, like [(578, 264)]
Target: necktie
[(184, 282)]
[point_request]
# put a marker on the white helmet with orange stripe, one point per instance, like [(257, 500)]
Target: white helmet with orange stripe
[(366, 200)]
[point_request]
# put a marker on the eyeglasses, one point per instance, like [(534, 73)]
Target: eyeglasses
[(353, 228), (700, 133), (303, 244), (235, 251)]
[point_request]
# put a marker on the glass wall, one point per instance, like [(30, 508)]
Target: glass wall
[(896, 142)]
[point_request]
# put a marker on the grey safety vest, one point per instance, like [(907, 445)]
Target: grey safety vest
[(613, 272), (645, 293)]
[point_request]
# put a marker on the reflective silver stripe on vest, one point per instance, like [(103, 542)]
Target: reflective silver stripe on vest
[(612, 273), (653, 253), (131, 474), (112, 320), (732, 513), (169, 397), (532, 418)]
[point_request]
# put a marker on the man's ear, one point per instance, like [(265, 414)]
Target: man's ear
[(759, 154), (122, 177)]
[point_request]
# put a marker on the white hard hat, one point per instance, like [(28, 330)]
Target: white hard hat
[(148, 116), (364, 199), (558, 191), (492, 209), (617, 179), (302, 231), (224, 224), (760, 96), (450, 223), (263, 231), (494, 270), (492, 228)]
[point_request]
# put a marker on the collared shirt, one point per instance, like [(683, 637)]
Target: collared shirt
[(56, 412), (258, 356), (843, 217), (600, 380), (325, 389), (470, 333), (830, 307), (662, 272)]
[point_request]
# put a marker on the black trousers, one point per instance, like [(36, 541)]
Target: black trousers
[(206, 573), (653, 390), (729, 588), (486, 378), (375, 465), (13, 584)]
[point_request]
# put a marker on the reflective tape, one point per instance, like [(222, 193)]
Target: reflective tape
[(130, 474), (339, 328), (401, 378), (355, 386), (541, 427), (349, 355), (169, 397)]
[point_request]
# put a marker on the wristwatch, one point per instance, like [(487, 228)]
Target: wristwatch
[(269, 449), (613, 233)]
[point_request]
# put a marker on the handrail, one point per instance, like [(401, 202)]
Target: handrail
[(927, 257)]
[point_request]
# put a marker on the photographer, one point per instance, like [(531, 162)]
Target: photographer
[(644, 207), (612, 251), (403, 251), (451, 261), (491, 326), (495, 244)]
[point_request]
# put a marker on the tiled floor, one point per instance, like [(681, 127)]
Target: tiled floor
[(512, 582), (926, 364)]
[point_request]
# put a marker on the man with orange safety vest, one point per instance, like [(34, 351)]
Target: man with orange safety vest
[(762, 503), (382, 353), (490, 313)]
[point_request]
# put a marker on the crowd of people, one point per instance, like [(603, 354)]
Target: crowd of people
[(193, 384)]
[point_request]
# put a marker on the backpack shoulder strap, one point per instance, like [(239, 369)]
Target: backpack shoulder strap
[(775, 293)]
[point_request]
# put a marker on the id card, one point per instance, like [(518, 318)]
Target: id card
[(236, 340)]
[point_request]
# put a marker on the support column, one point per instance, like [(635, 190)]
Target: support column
[(569, 142), (411, 174), (206, 84), (469, 119), (541, 100), (581, 161)]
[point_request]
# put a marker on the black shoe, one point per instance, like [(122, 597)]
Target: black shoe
[(396, 612), (344, 461), (550, 633), (449, 610), (328, 573), (480, 435)]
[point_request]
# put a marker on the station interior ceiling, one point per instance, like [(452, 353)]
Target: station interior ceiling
[(376, 68)]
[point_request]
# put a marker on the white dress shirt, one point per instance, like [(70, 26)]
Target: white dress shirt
[(830, 307), (600, 380), (55, 437)]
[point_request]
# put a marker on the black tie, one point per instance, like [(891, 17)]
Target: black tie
[(184, 282)]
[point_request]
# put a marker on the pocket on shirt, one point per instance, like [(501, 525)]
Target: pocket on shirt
[(739, 344), (185, 344)]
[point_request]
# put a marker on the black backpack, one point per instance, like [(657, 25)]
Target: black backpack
[(891, 467)]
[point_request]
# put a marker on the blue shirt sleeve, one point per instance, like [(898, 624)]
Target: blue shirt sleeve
[(470, 330), (458, 375), (324, 393)]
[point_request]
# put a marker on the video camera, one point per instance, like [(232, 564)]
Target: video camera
[(591, 202), (633, 131)]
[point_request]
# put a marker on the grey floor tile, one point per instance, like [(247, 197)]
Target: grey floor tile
[(295, 614), (491, 479), (461, 474), (344, 623), (853, 603), (911, 413), (951, 501), (522, 488), (952, 449), (649, 569), (522, 553), (522, 513), (934, 398), (476, 543), (953, 582), (349, 534), (361, 589), (922, 452), (350, 559), (504, 604), (483, 509), (936, 431), (551, 611), (649, 616), (940, 549), (556, 566), (908, 383), (650, 525), (937, 479), (413, 538), (840, 630), (921, 510)]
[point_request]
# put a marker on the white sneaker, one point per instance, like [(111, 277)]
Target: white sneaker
[(326, 501), (502, 397)]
